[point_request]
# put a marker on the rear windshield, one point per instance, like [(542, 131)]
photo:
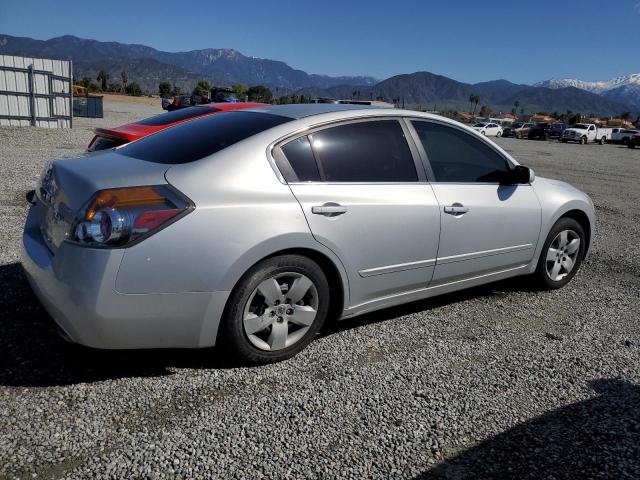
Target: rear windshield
[(176, 116), (192, 141)]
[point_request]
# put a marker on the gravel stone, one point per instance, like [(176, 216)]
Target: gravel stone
[(500, 381)]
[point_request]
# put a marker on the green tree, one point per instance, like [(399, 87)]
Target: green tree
[(125, 79), (625, 116), (485, 111), (164, 89), (102, 78), (203, 88), (259, 93), (134, 89), (240, 90), (176, 90), (476, 100)]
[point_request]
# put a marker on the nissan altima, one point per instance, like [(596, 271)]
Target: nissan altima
[(248, 229)]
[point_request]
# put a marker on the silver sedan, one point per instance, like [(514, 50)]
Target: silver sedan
[(249, 229)]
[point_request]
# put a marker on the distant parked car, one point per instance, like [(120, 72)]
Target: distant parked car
[(540, 131), (634, 141), (556, 129), (586, 132), (517, 130), (106, 138), (616, 134), (626, 134), (488, 129)]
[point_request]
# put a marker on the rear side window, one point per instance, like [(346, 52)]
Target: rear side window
[(176, 116), (301, 159), (374, 151), (456, 156), (192, 141)]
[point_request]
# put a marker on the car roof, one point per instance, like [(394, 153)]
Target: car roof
[(303, 110)]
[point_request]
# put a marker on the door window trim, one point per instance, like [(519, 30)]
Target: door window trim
[(287, 174), (425, 158)]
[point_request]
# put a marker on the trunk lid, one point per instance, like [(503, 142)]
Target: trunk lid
[(67, 185)]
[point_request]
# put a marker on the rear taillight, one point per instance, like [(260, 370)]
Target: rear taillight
[(121, 216)]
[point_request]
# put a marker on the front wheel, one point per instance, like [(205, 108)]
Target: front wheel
[(631, 144), (276, 310), (583, 140), (561, 254)]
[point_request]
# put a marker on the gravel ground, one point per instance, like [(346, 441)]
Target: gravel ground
[(496, 382)]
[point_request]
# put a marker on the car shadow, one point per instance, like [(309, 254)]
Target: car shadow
[(32, 354), (595, 438)]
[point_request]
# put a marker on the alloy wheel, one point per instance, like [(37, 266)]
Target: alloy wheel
[(562, 254), (280, 311)]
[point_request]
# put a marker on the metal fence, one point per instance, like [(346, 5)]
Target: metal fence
[(35, 91)]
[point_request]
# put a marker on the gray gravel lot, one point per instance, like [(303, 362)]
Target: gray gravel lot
[(496, 382)]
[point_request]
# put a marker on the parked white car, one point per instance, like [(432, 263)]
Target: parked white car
[(586, 132), (616, 134), (488, 129)]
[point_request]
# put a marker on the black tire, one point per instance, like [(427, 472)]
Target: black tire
[(541, 277), (631, 144), (517, 135), (583, 140), (625, 141), (603, 140), (564, 140), (233, 337)]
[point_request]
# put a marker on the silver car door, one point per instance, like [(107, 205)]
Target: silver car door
[(369, 203), (486, 226)]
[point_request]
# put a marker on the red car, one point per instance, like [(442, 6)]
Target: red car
[(106, 138)]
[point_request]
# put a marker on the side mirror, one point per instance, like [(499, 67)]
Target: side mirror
[(521, 175)]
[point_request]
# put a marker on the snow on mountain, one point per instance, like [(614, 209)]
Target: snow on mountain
[(625, 89), (596, 87)]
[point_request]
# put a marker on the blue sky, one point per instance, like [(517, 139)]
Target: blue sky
[(471, 41)]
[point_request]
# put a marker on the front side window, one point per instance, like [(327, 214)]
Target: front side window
[(456, 156), (372, 151)]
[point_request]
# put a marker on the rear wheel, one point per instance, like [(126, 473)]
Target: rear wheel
[(625, 141), (276, 310), (561, 254), (499, 134), (603, 140), (631, 144)]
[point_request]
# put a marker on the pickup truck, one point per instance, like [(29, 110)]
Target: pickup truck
[(586, 132)]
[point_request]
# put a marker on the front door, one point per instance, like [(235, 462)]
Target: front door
[(369, 204), (486, 226)]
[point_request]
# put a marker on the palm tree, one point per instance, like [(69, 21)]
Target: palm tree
[(125, 79), (471, 98), (516, 104), (476, 100), (102, 78)]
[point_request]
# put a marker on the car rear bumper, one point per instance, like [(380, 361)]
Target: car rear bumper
[(77, 287)]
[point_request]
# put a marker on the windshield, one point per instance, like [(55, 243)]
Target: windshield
[(516, 125), (581, 126), (541, 124), (480, 125), (200, 138)]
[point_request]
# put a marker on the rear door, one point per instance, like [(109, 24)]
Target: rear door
[(365, 195), (486, 226)]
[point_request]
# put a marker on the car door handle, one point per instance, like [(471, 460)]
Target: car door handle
[(456, 209), (329, 209)]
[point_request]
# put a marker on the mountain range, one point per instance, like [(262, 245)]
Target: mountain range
[(625, 89), (149, 66)]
